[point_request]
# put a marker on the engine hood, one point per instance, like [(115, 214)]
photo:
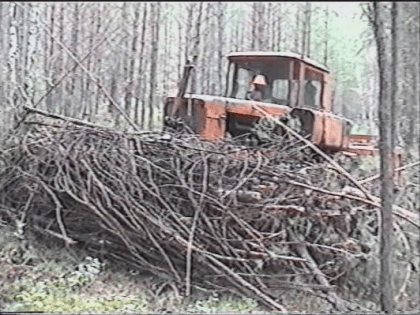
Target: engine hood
[(242, 107)]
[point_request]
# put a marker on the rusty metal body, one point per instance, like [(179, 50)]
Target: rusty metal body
[(297, 87)]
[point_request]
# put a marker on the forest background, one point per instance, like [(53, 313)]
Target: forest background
[(82, 59)]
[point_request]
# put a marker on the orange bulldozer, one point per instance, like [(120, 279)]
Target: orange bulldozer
[(270, 84)]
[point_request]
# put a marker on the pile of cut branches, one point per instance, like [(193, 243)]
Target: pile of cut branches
[(216, 214)]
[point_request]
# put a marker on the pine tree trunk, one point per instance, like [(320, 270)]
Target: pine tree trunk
[(196, 49), (326, 36), (297, 32), (166, 56), (205, 52), (394, 84), (153, 60), (62, 61), (415, 70), (3, 52), (32, 43), (308, 24), (89, 108), (98, 58), (49, 51), (221, 23), (261, 21), (71, 107), (385, 148), (130, 83), (279, 27), (179, 50), (125, 61), (254, 25), (304, 30), (190, 11), (13, 53), (139, 82)]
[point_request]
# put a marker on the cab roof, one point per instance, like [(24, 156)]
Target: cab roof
[(290, 55)]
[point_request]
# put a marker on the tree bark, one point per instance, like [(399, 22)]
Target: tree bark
[(74, 41), (279, 27), (179, 50), (261, 36), (129, 87), (98, 59), (326, 36), (89, 110), (139, 82), (221, 23), (414, 33), (385, 148), (32, 43), (196, 49), (49, 51), (153, 60), (3, 105), (394, 84), (61, 62), (297, 32), (254, 25), (308, 26), (13, 53)]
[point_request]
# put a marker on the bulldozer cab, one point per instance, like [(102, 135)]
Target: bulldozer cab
[(291, 79), (284, 85)]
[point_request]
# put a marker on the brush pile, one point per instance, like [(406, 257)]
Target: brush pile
[(216, 215)]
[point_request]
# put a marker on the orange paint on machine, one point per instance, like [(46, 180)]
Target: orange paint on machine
[(282, 84)]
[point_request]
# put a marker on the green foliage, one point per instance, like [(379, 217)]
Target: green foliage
[(55, 298), (63, 295)]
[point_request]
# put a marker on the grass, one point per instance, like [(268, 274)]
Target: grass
[(48, 278)]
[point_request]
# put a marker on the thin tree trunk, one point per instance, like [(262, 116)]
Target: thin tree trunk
[(13, 52), (221, 23), (49, 51), (279, 27), (326, 36), (125, 61), (415, 70), (74, 41), (130, 83), (261, 34), (254, 25), (83, 77), (210, 70), (308, 25), (3, 104), (61, 63), (236, 36), (190, 11), (205, 50), (89, 107), (140, 71), (304, 30), (166, 54), (196, 48), (23, 44), (394, 84), (385, 148), (269, 27), (153, 60), (98, 61), (31, 51), (297, 32), (179, 49)]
